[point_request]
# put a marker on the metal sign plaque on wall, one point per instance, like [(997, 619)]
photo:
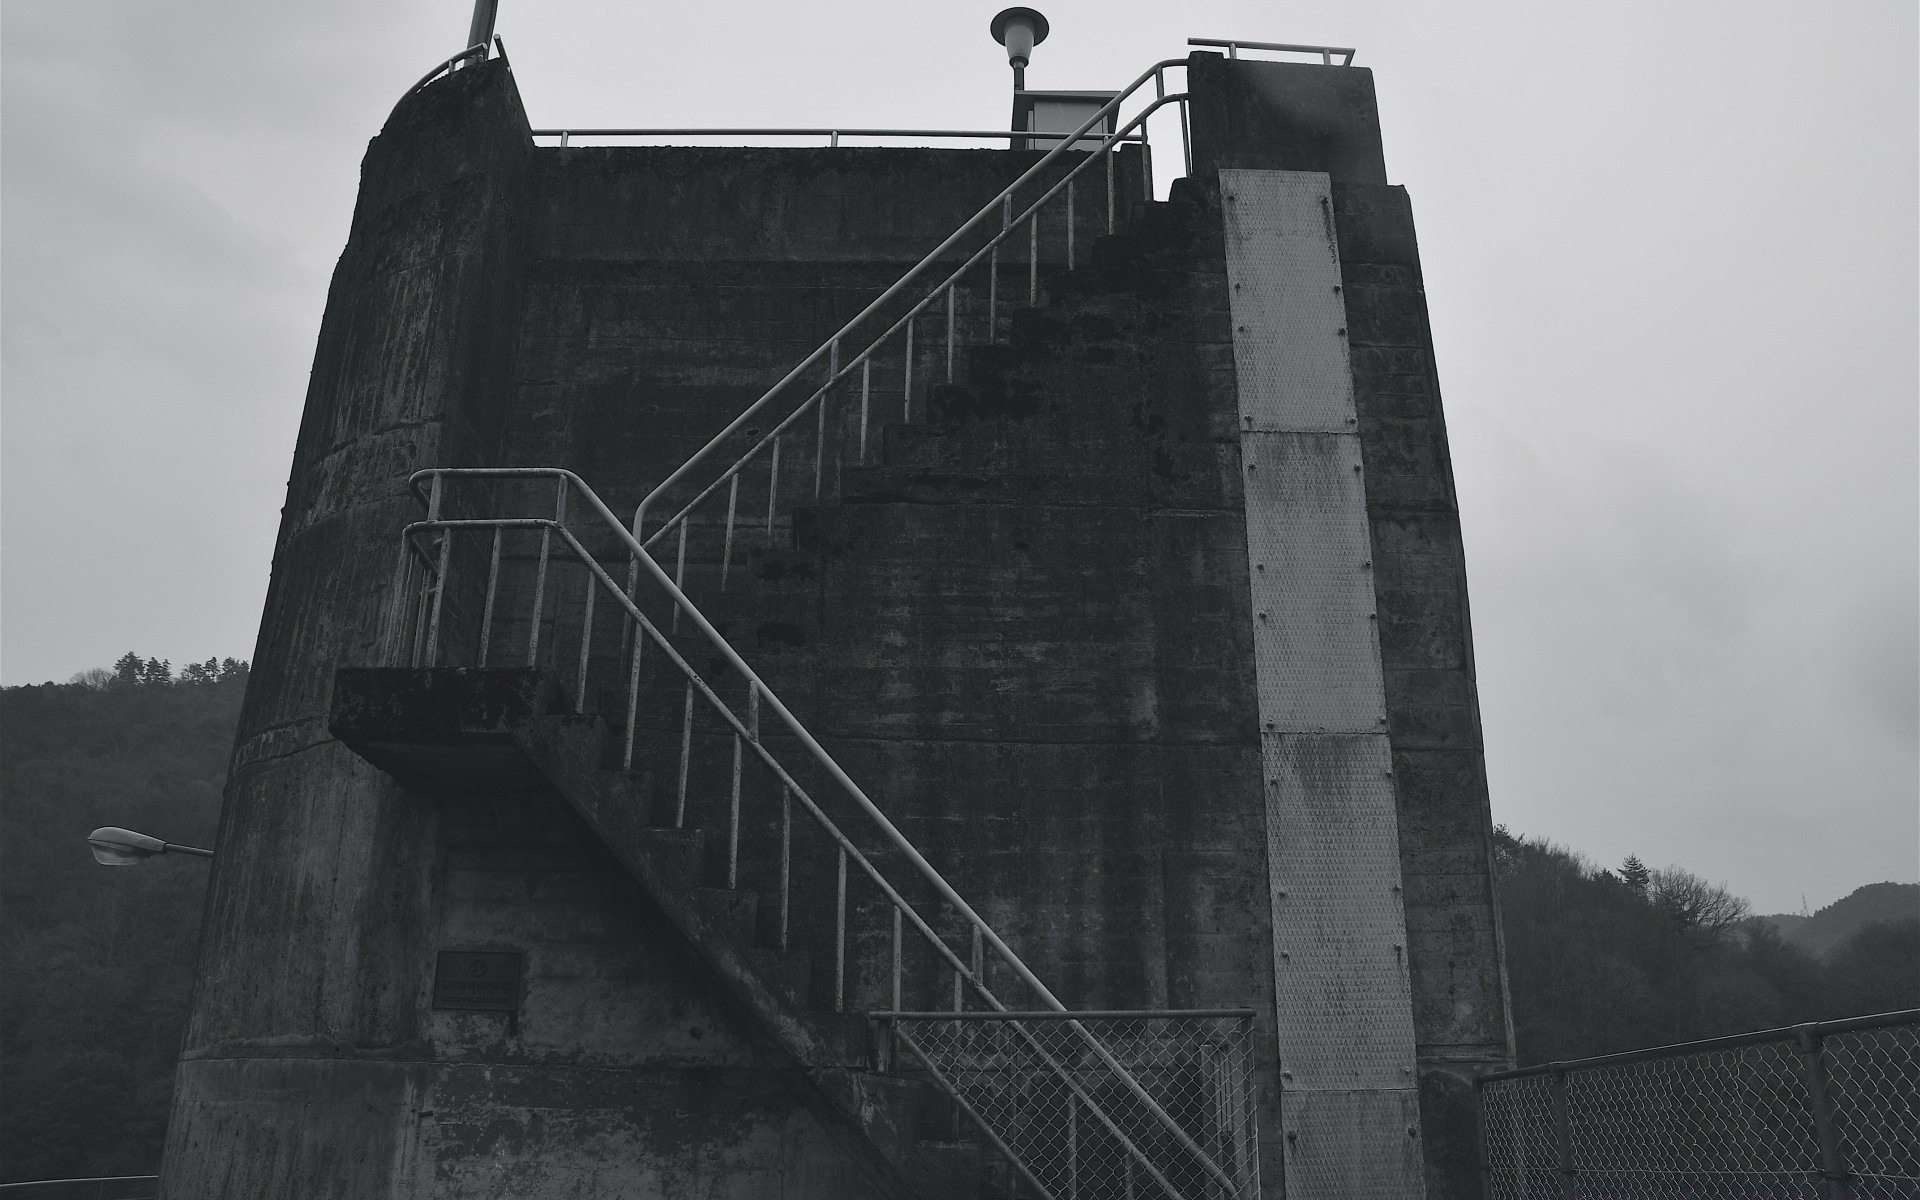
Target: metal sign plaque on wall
[(488, 980)]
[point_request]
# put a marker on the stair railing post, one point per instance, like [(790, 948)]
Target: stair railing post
[(786, 859), (1835, 1181), (1033, 257), (820, 436), (493, 591), (866, 393), (840, 933), (906, 387), (633, 698), (773, 489), (586, 643), (952, 300), (993, 269), (539, 597), (679, 567), (440, 575), (1112, 151), (897, 963), (726, 549), (1562, 1131), (1069, 224), (686, 754)]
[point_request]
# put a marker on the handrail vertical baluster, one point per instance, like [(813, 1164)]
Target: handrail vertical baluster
[(1069, 224), (1033, 259), (786, 859), (633, 698), (993, 269), (1110, 158), (952, 289), (726, 552), (539, 597), (493, 588), (440, 575), (773, 488), (897, 964), (840, 934), (586, 643), (866, 392), (686, 754), (733, 820), (680, 567), (1186, 140), (906, 386), (820, 437)]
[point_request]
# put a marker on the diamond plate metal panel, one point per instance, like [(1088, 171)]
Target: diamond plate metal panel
[(1289, 320), (1323, 1130), (1310, 551), (1340, 971), (1344, 1012)]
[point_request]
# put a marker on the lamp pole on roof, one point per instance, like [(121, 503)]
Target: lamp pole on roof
[(1019, 30), (481, 31)]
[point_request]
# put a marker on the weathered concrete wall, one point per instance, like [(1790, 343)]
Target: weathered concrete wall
[(314, 1065)]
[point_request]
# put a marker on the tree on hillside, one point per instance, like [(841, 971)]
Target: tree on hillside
[(1635, 875), (1596, 964)]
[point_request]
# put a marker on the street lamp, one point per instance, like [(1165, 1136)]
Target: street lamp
[(1019, 30), (116, 847)]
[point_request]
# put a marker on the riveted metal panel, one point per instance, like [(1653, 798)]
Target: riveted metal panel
[(1343, 1000), (1323, 1130), (1316, 649), (1289, 320), (1340, 966)]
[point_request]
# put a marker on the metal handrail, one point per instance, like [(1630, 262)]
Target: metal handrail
[(1079, 1014), (771, 438), (477, 50), (1234, 46), (746, 733), (1785, 1033), (824, 131), (830, 347)]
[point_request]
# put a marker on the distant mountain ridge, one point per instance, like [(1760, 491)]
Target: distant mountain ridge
[(1833, 924)]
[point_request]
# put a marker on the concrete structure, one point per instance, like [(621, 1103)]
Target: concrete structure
[(1149, 630)]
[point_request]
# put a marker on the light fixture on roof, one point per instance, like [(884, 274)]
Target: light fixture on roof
[(1019, 30)]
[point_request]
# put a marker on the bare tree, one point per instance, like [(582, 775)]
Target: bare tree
[(1696, 905)]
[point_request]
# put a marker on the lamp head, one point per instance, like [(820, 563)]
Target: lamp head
[(116, 847), (1019, 30)]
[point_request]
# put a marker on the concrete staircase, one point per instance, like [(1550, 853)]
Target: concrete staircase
[(462, 733)]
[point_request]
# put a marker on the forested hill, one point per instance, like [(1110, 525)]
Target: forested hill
[(96, 964), (1834, 924), (1600, 961)]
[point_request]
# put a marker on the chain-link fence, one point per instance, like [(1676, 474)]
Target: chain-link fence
[(1818, 1111), (1101, 1106)]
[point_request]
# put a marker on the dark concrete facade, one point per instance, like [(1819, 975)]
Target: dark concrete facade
[(1023, 625)]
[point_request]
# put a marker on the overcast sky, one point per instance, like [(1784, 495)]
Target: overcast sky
[(1670, 253)]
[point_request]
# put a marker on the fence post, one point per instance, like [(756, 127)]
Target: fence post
[(1835, 1182), (1562, 1132)]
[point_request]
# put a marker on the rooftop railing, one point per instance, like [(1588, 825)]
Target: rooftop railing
[(1234, 46)]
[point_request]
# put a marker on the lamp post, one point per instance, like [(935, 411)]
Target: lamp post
[(481, 31), (116, 847), (1019, 30)]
